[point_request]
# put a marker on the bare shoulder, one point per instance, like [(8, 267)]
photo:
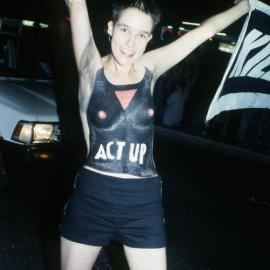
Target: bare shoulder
[(147, 61)]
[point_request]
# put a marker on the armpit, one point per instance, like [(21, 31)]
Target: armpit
[(89, 61)]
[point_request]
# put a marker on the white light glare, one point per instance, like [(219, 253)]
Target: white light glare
[(42, 133), (225, 47), (191, 23), (28, 23), (43, 25), (32, 23), (198, 24), (221, 34)]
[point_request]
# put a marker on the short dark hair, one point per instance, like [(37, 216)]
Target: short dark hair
[(149, 7)]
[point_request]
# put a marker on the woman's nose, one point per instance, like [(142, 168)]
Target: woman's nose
[(131, 40)]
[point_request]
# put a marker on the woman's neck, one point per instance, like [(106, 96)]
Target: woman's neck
[(118, 73)]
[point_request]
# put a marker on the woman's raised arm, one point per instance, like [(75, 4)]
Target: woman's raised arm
[(85, 50), (162, 59)]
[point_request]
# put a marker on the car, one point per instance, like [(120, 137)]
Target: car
[(29, 120)]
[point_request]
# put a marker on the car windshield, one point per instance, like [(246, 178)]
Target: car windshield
[(24, 56)]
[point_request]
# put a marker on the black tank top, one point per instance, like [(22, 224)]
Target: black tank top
[(120, 119)]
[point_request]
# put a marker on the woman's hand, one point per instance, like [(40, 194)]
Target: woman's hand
[(244, 3)]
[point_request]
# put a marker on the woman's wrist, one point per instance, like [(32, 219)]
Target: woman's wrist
[(244, 5), (71, 3)]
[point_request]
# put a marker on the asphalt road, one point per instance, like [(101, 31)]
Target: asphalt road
[(217, 213)]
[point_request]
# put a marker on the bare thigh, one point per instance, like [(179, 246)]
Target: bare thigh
[(146, 259), (77, 256)]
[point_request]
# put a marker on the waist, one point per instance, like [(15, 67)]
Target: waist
[(107, 188), (119, 175)]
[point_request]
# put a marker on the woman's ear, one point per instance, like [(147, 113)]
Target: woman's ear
[(110, 28)]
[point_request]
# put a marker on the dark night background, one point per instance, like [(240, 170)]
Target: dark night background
[(216, 195), (50, 10)]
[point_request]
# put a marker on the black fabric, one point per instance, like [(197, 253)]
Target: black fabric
[(121, 139), (105, 208)]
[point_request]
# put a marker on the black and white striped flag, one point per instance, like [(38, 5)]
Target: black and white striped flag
[(246, 83)]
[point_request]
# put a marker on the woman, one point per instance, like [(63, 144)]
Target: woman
[(117, 191)]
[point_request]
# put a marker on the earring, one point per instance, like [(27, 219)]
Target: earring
[(110, 37)]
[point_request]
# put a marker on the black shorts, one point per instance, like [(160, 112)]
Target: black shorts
[(104, 208)]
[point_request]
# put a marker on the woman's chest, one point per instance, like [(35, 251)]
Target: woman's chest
[(118, 107)]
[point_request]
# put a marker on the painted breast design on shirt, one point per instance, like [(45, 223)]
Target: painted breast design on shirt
[(120, 120)]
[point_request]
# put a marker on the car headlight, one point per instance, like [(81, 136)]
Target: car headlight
[(34, 133)]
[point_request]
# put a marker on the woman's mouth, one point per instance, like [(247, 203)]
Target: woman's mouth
[(127, 53)]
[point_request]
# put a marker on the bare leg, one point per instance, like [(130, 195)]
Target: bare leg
[(146, 259), (75, 256)]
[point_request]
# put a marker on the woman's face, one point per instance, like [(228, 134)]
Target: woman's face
[(130, 35)]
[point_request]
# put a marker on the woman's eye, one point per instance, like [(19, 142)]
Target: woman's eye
[(142, 36), (123, 29)]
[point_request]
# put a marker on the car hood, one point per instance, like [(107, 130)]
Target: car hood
[(30, 97)]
